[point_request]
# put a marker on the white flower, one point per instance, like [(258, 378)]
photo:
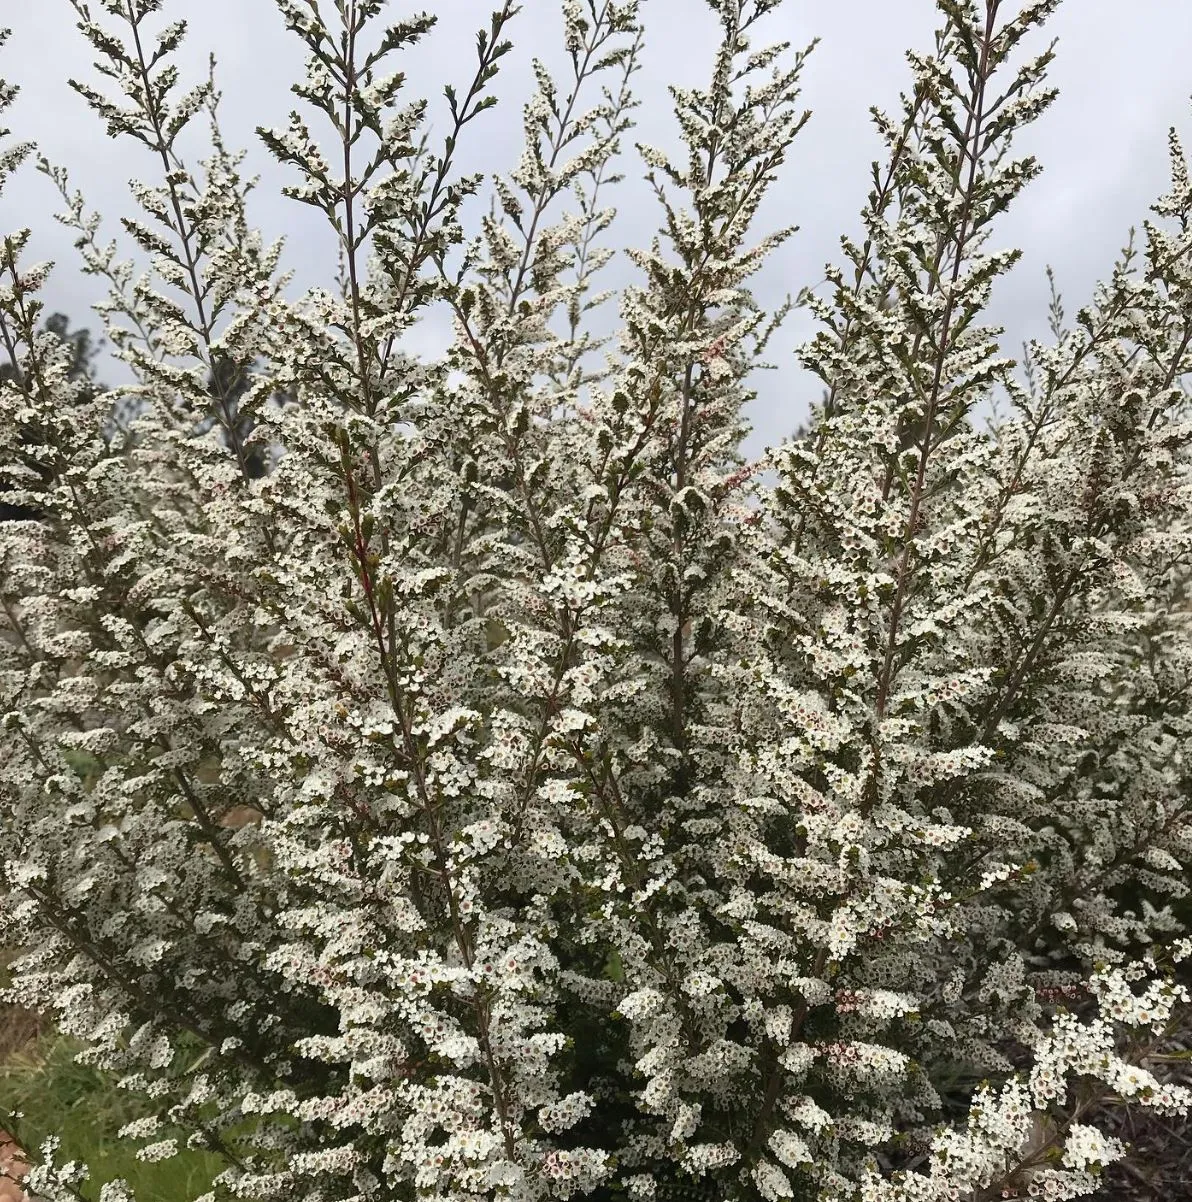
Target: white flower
[(1086, 1147)]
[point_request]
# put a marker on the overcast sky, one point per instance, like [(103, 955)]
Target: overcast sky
[(1122, 71)]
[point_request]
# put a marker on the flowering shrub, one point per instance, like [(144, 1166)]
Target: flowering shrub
[(502, 793)]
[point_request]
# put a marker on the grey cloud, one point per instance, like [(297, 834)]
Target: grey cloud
[(1103, 143)]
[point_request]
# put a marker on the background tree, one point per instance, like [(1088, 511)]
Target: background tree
[(80, 370), (228, 381)]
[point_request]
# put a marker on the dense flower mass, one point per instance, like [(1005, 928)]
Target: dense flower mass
[(465, 779)]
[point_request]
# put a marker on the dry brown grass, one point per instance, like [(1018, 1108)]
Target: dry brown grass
[(1159, 1167), (18, 1029)]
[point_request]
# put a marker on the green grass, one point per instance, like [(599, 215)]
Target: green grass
[(85, 1110)]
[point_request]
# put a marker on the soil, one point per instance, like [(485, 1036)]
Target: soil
[(13, 1166), (18, 1028)]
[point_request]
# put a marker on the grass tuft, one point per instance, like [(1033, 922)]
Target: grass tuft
[(82, 1106)]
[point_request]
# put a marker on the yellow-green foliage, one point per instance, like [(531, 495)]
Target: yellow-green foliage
[(85, 1109)]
